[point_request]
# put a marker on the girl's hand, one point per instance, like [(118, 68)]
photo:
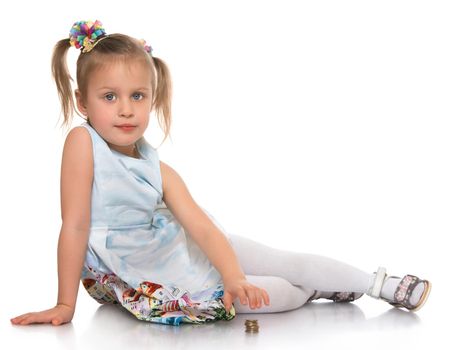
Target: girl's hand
[(242, 289), (57, 315)]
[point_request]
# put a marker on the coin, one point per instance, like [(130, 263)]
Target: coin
[(251, 326)]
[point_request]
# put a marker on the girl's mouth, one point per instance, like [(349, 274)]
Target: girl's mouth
[(126, 127)]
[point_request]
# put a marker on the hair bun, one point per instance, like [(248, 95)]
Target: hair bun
[(85, 34)]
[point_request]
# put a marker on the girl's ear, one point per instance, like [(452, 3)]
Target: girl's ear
[(80, 102)]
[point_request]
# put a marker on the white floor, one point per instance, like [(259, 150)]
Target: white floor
[(366, 323)]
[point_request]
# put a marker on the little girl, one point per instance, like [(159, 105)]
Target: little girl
[(132, 233)]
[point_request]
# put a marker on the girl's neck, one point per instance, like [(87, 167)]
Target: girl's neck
[(130, 151)]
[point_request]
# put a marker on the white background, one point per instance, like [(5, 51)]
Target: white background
[(341, 128)]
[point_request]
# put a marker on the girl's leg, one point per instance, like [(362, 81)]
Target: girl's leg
[(313, 272), (317, 273), (283, 295)]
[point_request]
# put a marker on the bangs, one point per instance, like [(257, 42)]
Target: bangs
[(116, 48)]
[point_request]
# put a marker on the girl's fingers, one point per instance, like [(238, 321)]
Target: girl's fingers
[(19, 318), (227, 300), (24, 320), (30, 318), (265, 297), (242, 297), (257, 297), (261, 297), (252, 296), (56, 316)]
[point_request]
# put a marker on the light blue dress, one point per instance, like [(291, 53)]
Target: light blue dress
[(138, 255)]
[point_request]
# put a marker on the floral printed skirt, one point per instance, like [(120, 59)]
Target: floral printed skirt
[(157, 303)]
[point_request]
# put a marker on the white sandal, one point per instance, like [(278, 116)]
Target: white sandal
[(403, 291), (338, 297)]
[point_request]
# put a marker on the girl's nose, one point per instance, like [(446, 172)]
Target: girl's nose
[(125, 109)]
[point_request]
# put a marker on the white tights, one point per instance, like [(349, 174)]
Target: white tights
[(291, 278)]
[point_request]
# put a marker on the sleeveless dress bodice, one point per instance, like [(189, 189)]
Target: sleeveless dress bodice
[(138, 255)]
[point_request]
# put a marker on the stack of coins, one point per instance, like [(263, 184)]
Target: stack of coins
[(252, 326)]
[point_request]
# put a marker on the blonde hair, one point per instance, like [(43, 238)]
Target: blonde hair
[(112, 48)]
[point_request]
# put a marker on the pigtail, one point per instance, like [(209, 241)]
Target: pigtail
[(162, 93), (63, 79)]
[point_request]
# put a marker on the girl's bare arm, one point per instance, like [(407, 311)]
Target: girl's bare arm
[(76, 184), (211, 240)]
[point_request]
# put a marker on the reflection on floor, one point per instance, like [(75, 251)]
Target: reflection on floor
[(321, 324)]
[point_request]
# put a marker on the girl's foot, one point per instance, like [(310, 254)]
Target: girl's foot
[(345, 296), (409, 292), (336, 296)]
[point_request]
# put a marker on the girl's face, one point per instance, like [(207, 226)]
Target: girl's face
[(118, 103)]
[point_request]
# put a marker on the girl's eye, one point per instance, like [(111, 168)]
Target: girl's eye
[(137, 96), (109, 97)]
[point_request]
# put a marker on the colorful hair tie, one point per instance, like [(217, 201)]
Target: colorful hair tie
[(85, 35), (146, 47)]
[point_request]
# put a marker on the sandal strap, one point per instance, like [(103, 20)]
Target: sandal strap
[(375, 290), (404, 291), (345, 296), (315, 296)]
